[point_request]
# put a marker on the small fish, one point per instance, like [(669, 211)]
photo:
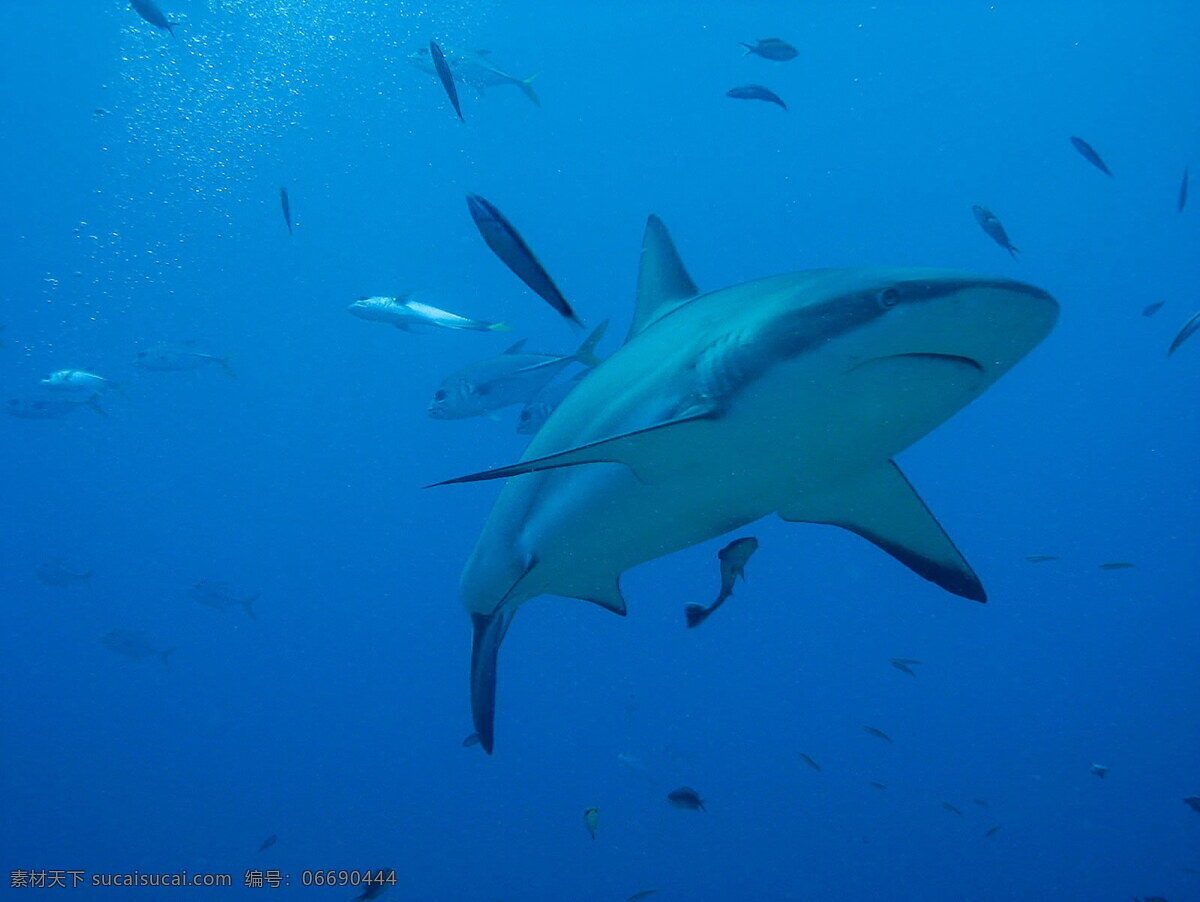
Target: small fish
[(445, 76), (1152, 309), (775, 49), (376, 888), (644, 894), (878, 734), (412, 316), (507, 244), (1193, 802), (904, 665), (1116, 565), (1089, 154), (285, 204), (809, 761), (268, 842), (1183, 191), (514, 377), (535, 413), (733, 558), (1188, 330), (100, 112), (475, 68), (1041, 558), (994, 229), (134, 644), (755, 92), (176, 356), (875, 785), (80, 381), (222, 596), (952, 809), (591, 817), (59, 573), (51, 408), (982, 803), (1099, 770), (149, 11), (471, 740), (686, 798), (992, 831)]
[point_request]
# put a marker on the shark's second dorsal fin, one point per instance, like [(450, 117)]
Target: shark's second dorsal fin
[(884, 508), (663, 283)]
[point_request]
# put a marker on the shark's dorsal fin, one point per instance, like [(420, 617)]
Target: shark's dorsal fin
[(883, 508), (647, 452), (663, 283), (516, 346)]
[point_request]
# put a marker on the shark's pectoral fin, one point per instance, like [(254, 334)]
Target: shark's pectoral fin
[(489, 630), (883, 508), (649, 453)]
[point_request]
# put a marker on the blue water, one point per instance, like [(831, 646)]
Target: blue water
[(334, 719)]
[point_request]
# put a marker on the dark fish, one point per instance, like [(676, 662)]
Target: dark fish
[(903, 665), (772, 49), (377, 885), (755, 92), (1183, 189), (687, 798), (507, 244), (992, 831), (876, 785), (268, 842), (1041, 558), (445, 76), (1116, 565), (59, 573), (952, 809), (991, 225), (733, 558), (982, 803), (1089, 154), (286, 205), (1188, 330), (1152, 309), (471, 740), (149, 11), (878, 734), (591, 817), (134, 644), (809, 761), (50, 408), (1193, 802), (1099, 770), (644, 894)]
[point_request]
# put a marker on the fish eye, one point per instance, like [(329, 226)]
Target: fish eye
[(889, 297), (524, 415), (439, 395)]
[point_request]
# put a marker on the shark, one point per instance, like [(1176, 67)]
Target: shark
[(789, 395)]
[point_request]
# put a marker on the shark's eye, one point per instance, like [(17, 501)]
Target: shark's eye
[(889, 297)]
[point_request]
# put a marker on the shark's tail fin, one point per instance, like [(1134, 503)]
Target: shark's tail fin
[(586, 354), (526, 86), (696, 614), (485, 648)]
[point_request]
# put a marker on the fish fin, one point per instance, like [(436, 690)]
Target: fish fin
[(526, 86), (884, 509), (586, 353), (695, 614), (663, 282), (248, 604), (489, 631), (749, 48), (640, 451), (609, 598), (94, 403), (515, 348), (223, 362), (500, 327), (166, 656), (1012, 251)]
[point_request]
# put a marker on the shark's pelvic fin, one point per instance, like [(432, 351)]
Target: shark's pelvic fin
[(883, 508), (643, 451), (663, 282)]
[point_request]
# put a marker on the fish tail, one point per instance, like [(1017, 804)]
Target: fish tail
[(749, 48), (119, 388), (485, 649), (526, 86), (586, 354), (248, 604), (94, 403), (223, 362), (166, 656), (695, 614), (499, 327), (1012, 251)]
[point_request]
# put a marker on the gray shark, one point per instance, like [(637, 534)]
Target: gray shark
[(786, 395)]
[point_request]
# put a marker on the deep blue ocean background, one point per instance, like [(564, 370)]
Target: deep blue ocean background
[(334, 719)]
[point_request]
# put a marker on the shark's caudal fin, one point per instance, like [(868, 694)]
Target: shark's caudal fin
[(489, 630), (883, 508), (526, 86), (663, 282)]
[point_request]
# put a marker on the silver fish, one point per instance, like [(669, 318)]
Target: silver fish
[(733, 558), (475, 69), (80, 381), (149, 11), (172, 356), (537, 411), (513, 377), (413, 316)]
